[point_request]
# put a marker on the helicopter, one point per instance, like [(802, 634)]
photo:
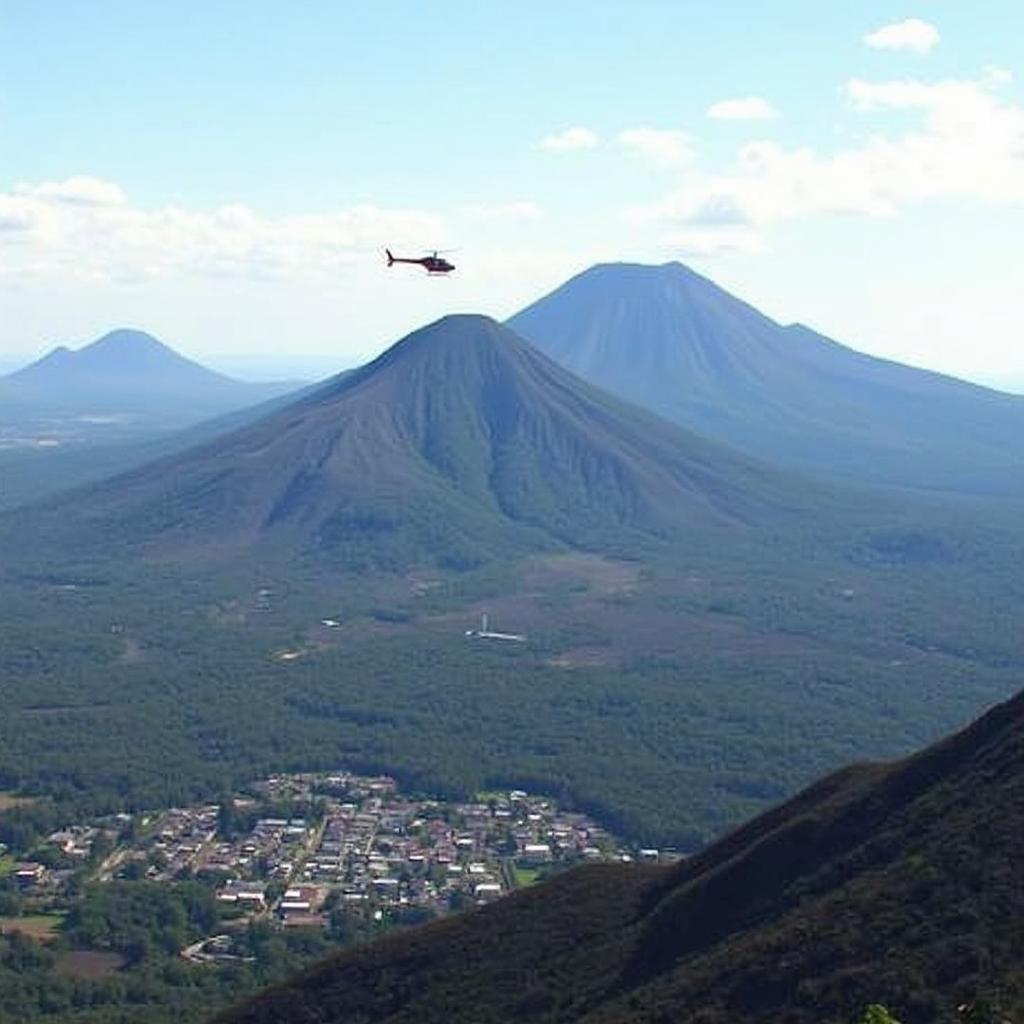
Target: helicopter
[(435, 263)]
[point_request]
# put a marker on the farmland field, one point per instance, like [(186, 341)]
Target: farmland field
[(42, 927), (8, 801), (89, 964)]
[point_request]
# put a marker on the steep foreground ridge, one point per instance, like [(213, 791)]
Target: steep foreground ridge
[(897, 883), (672, 341)]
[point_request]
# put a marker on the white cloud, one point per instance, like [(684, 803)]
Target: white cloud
[(705, 205), (86, 229), (16, 214), (995, 77), (517, 210), (966, 95), (910, 34), (80, 190), (569, 140), (698, 243), (661, 146), (968, 144), (743, 108)]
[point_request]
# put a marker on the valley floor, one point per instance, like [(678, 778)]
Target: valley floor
[(317, 859)]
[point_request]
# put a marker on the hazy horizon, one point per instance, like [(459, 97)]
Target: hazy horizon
[(260, 366), (246, 205)]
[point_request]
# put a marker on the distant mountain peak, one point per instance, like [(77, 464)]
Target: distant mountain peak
[(649, 269), (675, 342), (116, 352), (453, 348), (126, 339), (652, 272), (131, 350), (456, 330), (128, 367), (58, 355)]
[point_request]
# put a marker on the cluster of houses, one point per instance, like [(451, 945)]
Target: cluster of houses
[(270, 850), (372, 850), (394, 853), (175, 843), (76, 841), (297, 905), (74, 846), (350, 843), (29, 875)]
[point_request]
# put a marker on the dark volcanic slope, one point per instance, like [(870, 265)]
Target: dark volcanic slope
[(132, 371), (459, 442), (894, 883), (672, 341)]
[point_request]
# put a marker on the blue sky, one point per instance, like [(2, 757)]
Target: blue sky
[(225, 174)]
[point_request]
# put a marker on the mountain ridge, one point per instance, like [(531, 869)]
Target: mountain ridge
[(887, 882), (459, 428), (673, 341), (128, 368)]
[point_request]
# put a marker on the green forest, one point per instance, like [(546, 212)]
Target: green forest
[(671, 698), (671, 690), (114, 959)]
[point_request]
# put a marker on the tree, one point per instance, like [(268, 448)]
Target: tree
[(133, 870), (10, 903), (102, 847), (459, 901), (227, 817), (876, 1013)]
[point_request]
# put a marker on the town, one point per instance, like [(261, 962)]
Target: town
[(297, 850)]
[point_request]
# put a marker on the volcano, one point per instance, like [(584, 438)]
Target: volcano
[(672, 341), (459, 443)]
